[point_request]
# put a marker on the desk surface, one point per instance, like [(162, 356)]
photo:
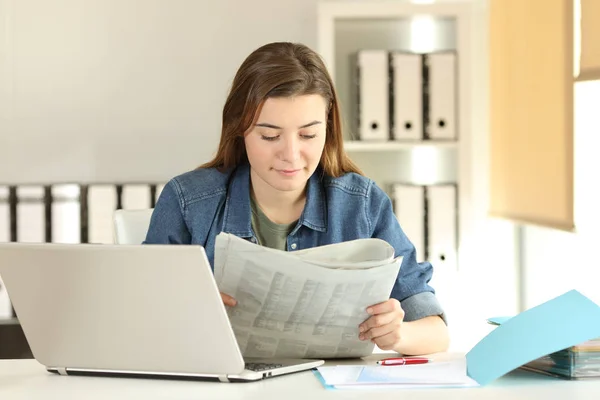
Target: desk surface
[(27, 379)]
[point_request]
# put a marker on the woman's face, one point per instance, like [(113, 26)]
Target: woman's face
[(284, 147)]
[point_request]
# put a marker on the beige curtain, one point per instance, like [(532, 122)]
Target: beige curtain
[(531, 85), (590, 40)]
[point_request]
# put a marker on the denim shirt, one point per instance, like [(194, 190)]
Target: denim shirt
[(195, 207)]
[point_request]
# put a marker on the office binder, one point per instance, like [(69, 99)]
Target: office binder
[(159, 189), (31, 224), (102, 203), (4, 215), (407, 96), (373, 95), (5, 305), (66, 215), (442, 228), (136, 196), (442, 96), (409, 207)]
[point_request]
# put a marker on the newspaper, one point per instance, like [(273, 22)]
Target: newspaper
[(303, 304)]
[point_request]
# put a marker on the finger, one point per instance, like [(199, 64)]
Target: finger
[(382, 330), (384, 307), (228, 300), (388, 342), (377, 321), (379, 331)]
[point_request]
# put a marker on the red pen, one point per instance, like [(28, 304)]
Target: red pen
[(403, 361)]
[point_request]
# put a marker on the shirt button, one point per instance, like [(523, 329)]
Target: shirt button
[(293, 246), (253, 240)]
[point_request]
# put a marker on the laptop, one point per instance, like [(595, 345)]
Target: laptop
[(128, 310)]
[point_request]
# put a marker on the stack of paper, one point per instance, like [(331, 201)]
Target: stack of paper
[(576, 362), (435, 374)]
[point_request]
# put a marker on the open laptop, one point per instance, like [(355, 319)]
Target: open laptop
[(134, 310)]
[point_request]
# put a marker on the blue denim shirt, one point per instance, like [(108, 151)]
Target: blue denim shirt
[(195, 207)]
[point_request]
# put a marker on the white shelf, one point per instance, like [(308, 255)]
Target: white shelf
[(346, 27), (388, 9), (330, 12), (358, 146)]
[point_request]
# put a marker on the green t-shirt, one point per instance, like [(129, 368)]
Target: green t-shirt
[(268, 233)]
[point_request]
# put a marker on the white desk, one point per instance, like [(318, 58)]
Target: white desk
[(27, 379)]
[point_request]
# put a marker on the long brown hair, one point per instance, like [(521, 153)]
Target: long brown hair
[(279, 69)]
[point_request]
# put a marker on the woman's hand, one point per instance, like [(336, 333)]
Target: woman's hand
[(384, 325), (228, 300)]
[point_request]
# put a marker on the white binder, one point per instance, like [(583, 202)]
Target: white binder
[(66, 214), (136, 196), (4, 215), (5, 306), (407, 78), (409, 207), (373, 93), (159, 189), (443, 100), (102, 203), (442, 226), (31, 215)]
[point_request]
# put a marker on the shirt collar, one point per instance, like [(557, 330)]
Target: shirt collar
[(314, 215), (238, 216), (237, 219)]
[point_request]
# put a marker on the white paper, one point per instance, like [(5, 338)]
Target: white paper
[(305, 304), (435, 374)]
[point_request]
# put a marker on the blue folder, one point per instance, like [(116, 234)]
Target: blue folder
[(557, 324), (565, 321)]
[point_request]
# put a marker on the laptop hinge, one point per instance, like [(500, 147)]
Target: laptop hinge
[(62, 371), (223, 378)]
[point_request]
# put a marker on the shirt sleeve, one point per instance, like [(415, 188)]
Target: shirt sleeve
[(422, 305), (167, 225), (412, 287)]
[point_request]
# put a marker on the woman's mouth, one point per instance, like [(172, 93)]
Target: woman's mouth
[(288, 172)]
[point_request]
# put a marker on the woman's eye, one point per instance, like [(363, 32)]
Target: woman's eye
[(309, 136), (269, 138)]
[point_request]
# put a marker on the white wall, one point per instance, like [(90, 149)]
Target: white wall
[(555, 261), (132, 90), (488, 283), (497, 280), (122, 90)]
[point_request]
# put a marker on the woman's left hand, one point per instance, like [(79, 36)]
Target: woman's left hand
[(384, 325)]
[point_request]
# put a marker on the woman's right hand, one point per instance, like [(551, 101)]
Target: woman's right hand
[(228, 300)]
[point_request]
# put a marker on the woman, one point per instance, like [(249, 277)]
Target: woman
[(281, 179)]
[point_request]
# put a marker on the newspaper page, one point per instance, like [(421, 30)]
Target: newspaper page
[(304, 304)]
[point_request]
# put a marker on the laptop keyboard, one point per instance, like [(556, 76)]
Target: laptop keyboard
[(262, 366)]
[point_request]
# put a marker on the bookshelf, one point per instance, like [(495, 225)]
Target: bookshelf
[(345, 27), (356, 146)]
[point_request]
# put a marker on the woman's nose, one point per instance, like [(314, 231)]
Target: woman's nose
[(289, 151)]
